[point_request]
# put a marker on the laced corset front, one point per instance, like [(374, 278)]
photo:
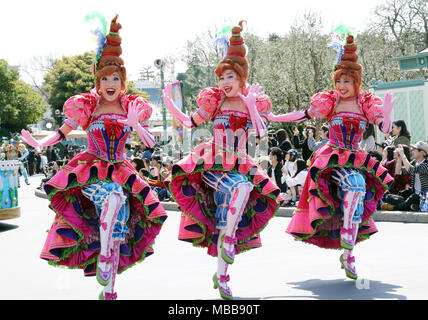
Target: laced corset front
[(107, 137), (231, 130), (345, 130)]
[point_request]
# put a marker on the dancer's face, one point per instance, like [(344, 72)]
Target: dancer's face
[(229, 83), (110, 86), (345, 86)]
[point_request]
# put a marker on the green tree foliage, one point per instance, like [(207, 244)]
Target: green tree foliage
[(292, 67), (68, 77), (20, 105), (132, 90)]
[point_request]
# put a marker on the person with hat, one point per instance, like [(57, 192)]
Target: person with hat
[(225, 197), (419, 178), (344, 182), (106, 216)]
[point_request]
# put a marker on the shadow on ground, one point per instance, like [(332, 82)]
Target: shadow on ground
[(6, 227), (344, 289)]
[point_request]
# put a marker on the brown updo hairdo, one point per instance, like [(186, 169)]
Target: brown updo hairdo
[(348, 64), (110, 60), (235, 59)]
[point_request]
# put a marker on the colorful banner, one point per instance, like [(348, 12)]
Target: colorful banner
[(177, 97)]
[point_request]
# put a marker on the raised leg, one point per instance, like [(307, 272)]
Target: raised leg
[(107, 255), (352, 187)]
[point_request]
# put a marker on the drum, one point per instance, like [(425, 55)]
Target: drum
[(9, 208)]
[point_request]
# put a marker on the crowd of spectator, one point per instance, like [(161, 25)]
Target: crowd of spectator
[(407, 163), (286, 163)]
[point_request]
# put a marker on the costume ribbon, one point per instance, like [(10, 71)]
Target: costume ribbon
[(237, 123), (113, 128)]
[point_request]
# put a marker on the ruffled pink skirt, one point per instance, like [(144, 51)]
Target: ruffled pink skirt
[(318, 218), (195, 198), (73, 239)]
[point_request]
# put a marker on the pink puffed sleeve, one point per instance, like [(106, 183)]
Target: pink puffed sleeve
[(208, 101), (322, 104), (142, 105), (263, 105), (372, 108), (78, 110)]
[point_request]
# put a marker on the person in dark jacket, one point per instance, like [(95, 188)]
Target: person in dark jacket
[(31, 158), (283, 140), (275, 168), (306, 152)]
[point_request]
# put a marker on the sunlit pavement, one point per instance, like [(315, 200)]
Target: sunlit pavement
[(393, 264)]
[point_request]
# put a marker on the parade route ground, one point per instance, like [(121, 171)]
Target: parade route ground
[(392, 264)]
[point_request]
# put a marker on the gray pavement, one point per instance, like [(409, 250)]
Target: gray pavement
[(393, 264)]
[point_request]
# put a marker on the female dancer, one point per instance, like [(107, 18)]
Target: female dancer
[(225, 197), (106, 216), (344, 182)]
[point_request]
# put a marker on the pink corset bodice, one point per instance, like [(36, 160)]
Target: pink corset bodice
[(346, 129), (231, 130), (107, 137)]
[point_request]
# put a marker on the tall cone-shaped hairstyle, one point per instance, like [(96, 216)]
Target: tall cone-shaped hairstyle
[(348, 64), (110, 60), (235, 59)]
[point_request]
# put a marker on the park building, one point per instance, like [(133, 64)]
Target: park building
[(412, 96)]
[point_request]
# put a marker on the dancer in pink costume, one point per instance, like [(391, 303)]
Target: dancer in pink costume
[(106, 215), (226, 199), (344, 182)]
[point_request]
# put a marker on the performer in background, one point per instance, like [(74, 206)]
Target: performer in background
[(106, 215), (344, 182), (17, 151), (226, 199)]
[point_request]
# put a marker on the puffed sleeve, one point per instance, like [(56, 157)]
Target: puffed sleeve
[(322, 104), (78, 110), (263, 105), (142, 105), (372, 108), (208, 101)]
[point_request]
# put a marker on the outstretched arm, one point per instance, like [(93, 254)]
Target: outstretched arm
[(296, 116), (50, 140), (183, 119)]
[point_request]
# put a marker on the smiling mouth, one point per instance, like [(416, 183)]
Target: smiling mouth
[(110, 92), (227, 89)]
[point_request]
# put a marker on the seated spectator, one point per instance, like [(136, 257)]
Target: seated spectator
[(400, 133), (306, 152), (419, 179), (290, 158), (127, 151), (275, 168), (147, 152), (368, 141), (376, 155), (379, 148), (293, 182), (137, 163), (50, 170), (323, 133), (388, 160), (283, 140), (402, 181), (156, 179)]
